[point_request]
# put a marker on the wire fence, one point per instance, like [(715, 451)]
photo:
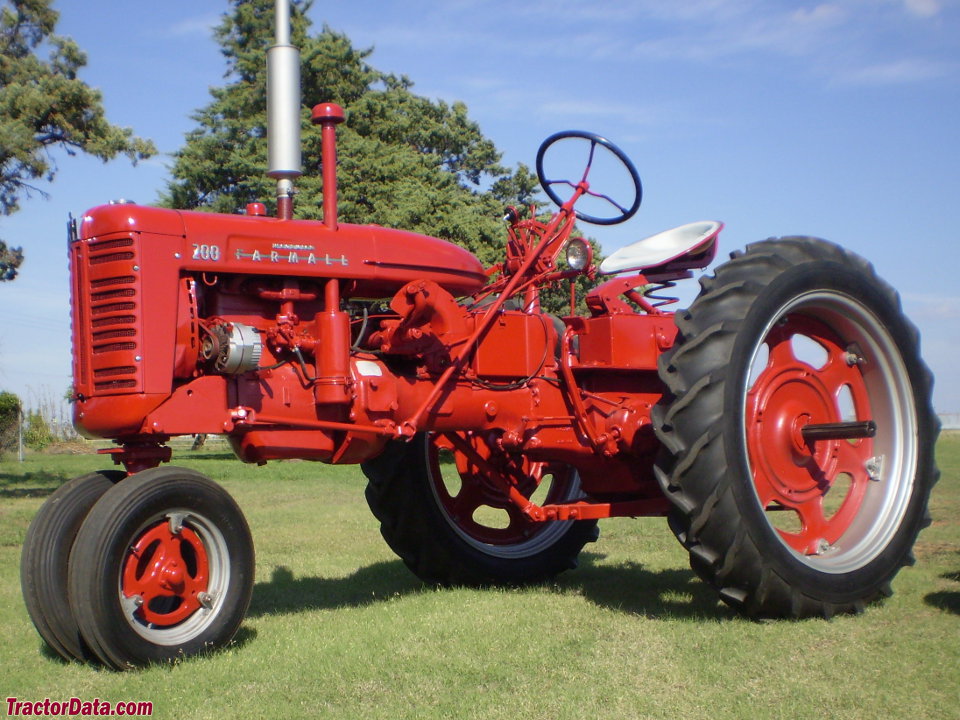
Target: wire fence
[(46, 419), (41, 418)]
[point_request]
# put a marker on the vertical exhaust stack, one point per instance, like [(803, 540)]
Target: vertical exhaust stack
[(283, 111)]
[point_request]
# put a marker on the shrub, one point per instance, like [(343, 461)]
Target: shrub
[(9, 417), (36, 432)]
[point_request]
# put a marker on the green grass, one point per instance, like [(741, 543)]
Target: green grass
[(339, 628)]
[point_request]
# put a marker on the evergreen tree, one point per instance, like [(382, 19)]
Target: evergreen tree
[(43, 106), (404, 161), (10, 259)]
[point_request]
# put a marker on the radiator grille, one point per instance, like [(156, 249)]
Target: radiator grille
[(109, 305)]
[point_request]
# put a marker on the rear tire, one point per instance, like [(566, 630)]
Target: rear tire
[(796, 332), (437, 525), (162, 569), (45, 558)]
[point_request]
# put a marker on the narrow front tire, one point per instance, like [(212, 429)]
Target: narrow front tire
[(45, 559), (162, 569)]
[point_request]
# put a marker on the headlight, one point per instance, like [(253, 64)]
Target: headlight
[(579, 254)]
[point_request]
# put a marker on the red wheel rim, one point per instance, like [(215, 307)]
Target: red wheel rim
[(822, 483), (468, 499), (166, 573)]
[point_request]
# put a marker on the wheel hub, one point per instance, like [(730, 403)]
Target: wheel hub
[(787, 401), (168, 571), (798, 443), (172, 577)]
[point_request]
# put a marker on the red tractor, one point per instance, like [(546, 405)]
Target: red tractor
[(782, 423)]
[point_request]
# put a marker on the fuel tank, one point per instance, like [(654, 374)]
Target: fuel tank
[(376, 261)]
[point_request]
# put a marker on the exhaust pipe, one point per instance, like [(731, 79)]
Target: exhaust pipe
[(283, 111)]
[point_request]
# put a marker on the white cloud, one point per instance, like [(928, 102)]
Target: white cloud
[(202, 25), (856, 42), (922, 8), (585, 109), (824, 14), (933, 306), (899, 72), (724, 29)]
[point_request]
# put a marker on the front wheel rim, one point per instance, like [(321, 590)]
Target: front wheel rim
[(174, 577), (835, 504)]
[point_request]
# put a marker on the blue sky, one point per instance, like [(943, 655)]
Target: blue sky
[(836, 119)]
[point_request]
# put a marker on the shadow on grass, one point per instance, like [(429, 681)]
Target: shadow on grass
[(945, 600), (284, 593), (50, 654), (244, 636), (628, 588), (25, 492), (948, 600), (43, 484)]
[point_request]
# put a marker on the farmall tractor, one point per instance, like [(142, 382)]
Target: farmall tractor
[(782, 423)]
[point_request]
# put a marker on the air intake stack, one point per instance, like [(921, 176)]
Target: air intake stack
[(283, 111)]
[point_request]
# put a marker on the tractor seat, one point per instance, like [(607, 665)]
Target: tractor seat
[(687, 247)]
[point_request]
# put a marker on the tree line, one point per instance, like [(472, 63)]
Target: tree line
[(406, 161)]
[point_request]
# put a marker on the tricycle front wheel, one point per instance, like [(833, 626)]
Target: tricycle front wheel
[(161, 569), (45, 559)]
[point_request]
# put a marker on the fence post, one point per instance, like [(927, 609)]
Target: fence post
[(20, 429)]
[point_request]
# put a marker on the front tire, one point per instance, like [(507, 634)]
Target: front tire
[(162, 568), (452, 527), (45, 560), (793, 333)]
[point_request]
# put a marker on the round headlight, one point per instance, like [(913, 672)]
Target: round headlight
[(579, 254)]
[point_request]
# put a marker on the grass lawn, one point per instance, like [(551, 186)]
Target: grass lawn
[(339, 628)]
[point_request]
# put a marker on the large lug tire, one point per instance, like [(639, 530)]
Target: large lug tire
[(792, 333), (161, 569), (432, 515), (45, 558)]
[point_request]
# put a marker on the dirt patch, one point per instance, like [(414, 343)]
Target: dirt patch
[(70, 447)]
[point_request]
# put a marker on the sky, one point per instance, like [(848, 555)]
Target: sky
[(835, 119)]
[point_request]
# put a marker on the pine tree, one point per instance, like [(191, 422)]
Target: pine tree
[(43, 106), (404, 161)]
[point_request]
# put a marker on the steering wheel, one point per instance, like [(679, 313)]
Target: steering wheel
[(625, 212)]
